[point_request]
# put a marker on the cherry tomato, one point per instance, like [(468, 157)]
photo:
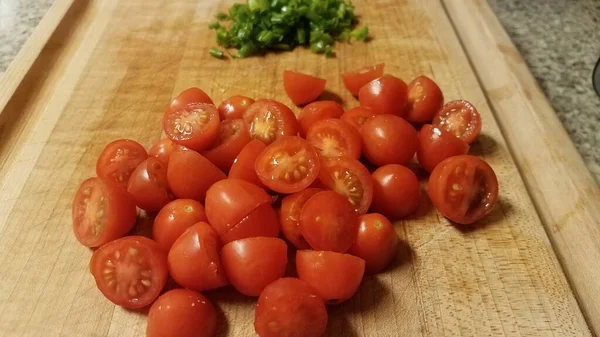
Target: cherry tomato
[(288, 165), (188, 96), (357, 116), (182, 313), (118, 160), (174, 219), (268, 120), (102, 211), (377, 242), (289, 216), (290, 307), (317, 111), (335, 138), (328, 222), (396, 191), (463, 188), (234, 107), (195, 126), (190, 175), (461, 119), (350, 178), (425, 98), (252, 264), (385, 95), (233, 137), (194, 260), (388, 139), (437, 144), (243, 165), (163, 149), (148, 185), (334, 276), (302, 88), (262, 221), (130, 271), (354, 80)]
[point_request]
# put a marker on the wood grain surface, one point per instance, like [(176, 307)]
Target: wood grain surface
[(108, 72)]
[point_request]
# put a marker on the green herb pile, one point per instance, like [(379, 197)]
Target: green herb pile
[(261, 25)]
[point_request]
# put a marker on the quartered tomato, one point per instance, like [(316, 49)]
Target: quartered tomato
[(463, 188), (232, 139), (377, 242), (288, 165), (302, 88), (234, 107), (317, 111), (263, 221), (148, 185), (385, 95), (268, 120), (461, 119), (162, 150), (335, 138), (354, 80), (437, 144), (396, 191), (357, 116), (190, 175), (195, 126), (388, 139), (350, 178), (174, 219), (289, 214), (188, 96), (130, 271), (118, 160), (243, 165), (425, 98)]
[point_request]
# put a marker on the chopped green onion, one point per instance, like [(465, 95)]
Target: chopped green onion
[(222, 16), (214, 25), (360, 34), (216, 53)]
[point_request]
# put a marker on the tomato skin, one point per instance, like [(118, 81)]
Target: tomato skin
[(437, 144), (317, 111), (188, 96), (263, 221), (234, 107), (354, 80), (388, 139), (377, 242), (290, 307), (302, 88), (357, 116), (174, 219), (268, 120), (289, 214), (182, 313), (194, 260), (396, 191), (385, 95), (243, 165), (195, 126), (148, 185), (163, 149), (233, 137), (334, 276), (335, 138), (350, 178), (425, 98), (119, 159), (459, 118), (190, 175)]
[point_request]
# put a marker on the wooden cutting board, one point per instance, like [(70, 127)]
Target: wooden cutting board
[(95, 71)]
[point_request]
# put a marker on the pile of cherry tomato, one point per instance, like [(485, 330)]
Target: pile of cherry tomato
[(235, 187)]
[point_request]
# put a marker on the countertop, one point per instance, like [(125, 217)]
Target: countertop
[(559, 40)]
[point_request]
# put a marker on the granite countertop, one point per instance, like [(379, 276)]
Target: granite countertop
[(559, 39)]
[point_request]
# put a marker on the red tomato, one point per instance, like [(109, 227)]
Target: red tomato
[(288, 165), (174, 219), (195, 126), (233, 137), (289, 215), (194, 260), (290, 307), (243, 165), (463, 188), (377, 242), (118, 160), (350, 178), (354, 80), (302, 88), (425, 98), (188, 96), (262, 221), (268, 120), (102, 211), (396, 191), (461, 119), (234, 107), (335, 138), (130, 271), (190, 175), (388, 139), (385, 95), (182, 313), (252, 264), (334, 276), (163, 149), (317, 111), (328, 222), (437, 144), (357, 116), (148, 185)]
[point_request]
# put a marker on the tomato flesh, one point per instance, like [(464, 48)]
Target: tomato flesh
[(317, 111), (163, 149), (459, 118), (148, 185), (262, 221), (425, 98), (234, 107), (385, 95), (119, 159), (437, 144), (188, 96), (302, 88), (335, 138), (377, 242), (357, 116), (289, 214), (195, 126), (396, 191), (268, 120), (350, 178), (354, 80), (174, 219), (233, 137)]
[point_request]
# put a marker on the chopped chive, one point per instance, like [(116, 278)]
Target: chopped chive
[(216, 53), (214, 25), (221, 16)]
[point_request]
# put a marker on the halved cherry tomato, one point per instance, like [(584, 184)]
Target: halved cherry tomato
[(437, 144), (354, 80), (194, 260), (288, 165), (388, 139), (233, 137), (182, 313), (174, 219), (425, 98), (262, 221), (195, 126), (234, 107), (118, 160), (317, 111), (302, 88), (357, 116), (461, 119), (328, 222), (289, 214), (148, 185), (188, 96), (335, 138), (130, 271), (350, 178), (162, 150), (385, 95), (334, 276), (243, 165), (290, 307), (463, 188), (252, 264), (268, 120), (190, 175), (102, 211), (396, 191), (377, 242)]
